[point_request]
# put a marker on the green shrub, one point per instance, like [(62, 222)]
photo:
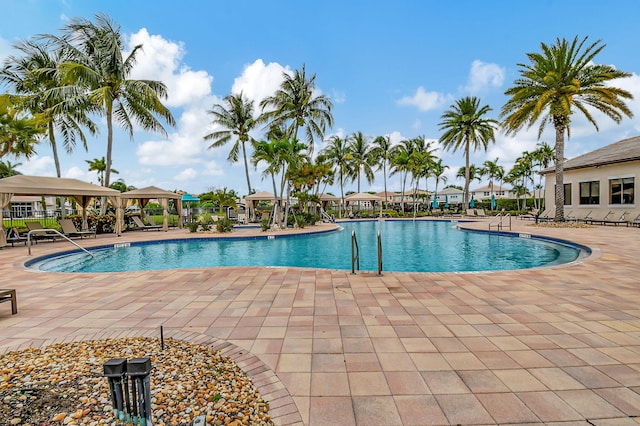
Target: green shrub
[(224, 225), (265, 224), (192, 226)]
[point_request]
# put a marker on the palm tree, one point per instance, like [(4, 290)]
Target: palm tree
[(561, 79), (224, 198), (543, 157), (465, 127), (360, 160), (94, 68), (236, 120), (493, 171), (99, 165), (381, 153), (339, 153), (472, 174), (438, 169), (19, 131), (34, 75), (7, 169), (295, 105)]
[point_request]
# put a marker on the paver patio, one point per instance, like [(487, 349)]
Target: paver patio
[(546, 345)]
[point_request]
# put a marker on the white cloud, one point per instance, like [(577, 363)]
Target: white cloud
[(483, 76), (425, 101), (338, 96), (259, 81), (37, 166), (186, 175), (161, 60)]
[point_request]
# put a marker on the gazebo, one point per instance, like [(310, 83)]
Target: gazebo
[(253, 200), (364, 196), (143, 196), (80, 191), (325, 199)]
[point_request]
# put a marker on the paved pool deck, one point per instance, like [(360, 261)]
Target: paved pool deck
[(557, 345)]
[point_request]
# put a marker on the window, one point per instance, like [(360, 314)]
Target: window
[(621, 191), (567, 194), (590, 192)]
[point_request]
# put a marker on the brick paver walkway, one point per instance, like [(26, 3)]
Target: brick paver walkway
[(538, 346)]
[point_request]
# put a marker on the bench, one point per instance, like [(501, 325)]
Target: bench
[(9, 295)]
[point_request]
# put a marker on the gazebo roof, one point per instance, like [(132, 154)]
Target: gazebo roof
[(44, 185), (260, 196), (363, 196), (150, 192)]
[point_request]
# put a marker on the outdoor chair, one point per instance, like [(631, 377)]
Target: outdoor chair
[(470, 213), (140, 225), (39, 233), (14, 237), (69, 229)]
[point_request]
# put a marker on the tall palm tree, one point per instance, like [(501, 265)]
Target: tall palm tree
[(438, 169), (557, 81), (295, 105), (466, 127), (338, 152), (93, 68), (99, 165), (543, 157), (360, 161), (400, 164), (381, 153), (34, 75), (493, 171), (236, 120)]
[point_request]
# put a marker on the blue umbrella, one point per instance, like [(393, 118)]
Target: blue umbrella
[(493, 202), (446, 201), (472, 203), (188, 198), (435, 202)]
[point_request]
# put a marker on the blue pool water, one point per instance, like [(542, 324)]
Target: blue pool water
[(407, 246)]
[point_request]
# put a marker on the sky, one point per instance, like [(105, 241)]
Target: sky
[(389, 68)]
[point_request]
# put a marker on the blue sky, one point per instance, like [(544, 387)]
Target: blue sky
[(389, 68)]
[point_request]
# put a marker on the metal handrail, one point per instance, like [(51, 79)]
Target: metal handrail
[(501, 218), (379, 254), (55, 231), (355, 253)]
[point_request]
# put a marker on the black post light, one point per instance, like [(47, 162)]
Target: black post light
[(115, 370), (139, 370)]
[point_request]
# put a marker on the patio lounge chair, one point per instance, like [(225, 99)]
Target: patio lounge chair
[(635, 221), (69, 229), (39, 233), (597, 217), (480, 213), (14, 237), (140, 225), (580, 216), (547, 215), (611, 220), (471, 213)]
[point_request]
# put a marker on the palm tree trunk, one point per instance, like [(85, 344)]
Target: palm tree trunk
[(54, 148), (246, 168), (341, 195), (467, 176), (559, 217), (107, 175), (384, 176)]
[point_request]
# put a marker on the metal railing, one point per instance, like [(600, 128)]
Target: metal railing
[(379, 254), (355, 253), (500, 218), (55, 231)]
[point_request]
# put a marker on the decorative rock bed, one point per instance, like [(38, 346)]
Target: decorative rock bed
[(64, 384)]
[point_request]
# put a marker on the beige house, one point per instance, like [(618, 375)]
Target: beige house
[(600, 182)]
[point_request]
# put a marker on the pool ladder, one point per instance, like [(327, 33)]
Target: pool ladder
[(355, 254), (500, 218)]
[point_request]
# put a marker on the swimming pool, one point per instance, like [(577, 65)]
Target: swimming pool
[(407, 246)]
